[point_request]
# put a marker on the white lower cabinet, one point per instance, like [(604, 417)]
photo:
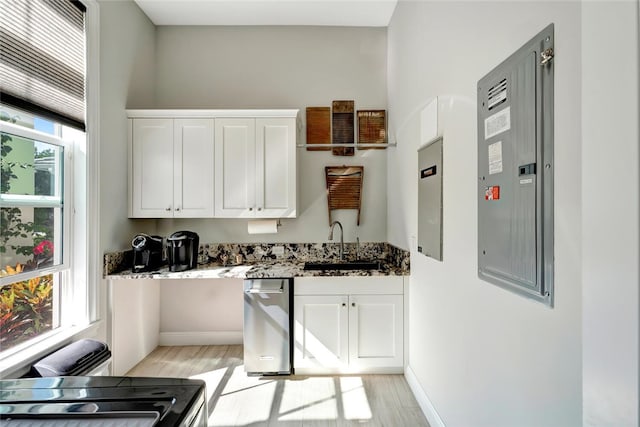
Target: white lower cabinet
[(348, 325), (375, 331), (321, 332)]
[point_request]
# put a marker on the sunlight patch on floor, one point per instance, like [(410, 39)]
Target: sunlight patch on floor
[(212, 379), (309, 399), (283, 399), (257, 392), (235, 399), (354, 399)]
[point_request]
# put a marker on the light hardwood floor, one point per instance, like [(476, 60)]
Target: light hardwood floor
[(238, 400)]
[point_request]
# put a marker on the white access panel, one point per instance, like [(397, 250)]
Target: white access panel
[(430, 200)]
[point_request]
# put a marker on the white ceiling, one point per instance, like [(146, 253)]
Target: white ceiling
[(351, 13)]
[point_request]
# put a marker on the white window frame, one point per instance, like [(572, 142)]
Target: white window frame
[(94, 260), (63, 241)]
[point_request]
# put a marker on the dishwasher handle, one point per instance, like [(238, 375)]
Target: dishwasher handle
[(264, 291), (266, 286)]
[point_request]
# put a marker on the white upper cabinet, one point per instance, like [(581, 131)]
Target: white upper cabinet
[(193, 168), (235, 175), (255, 167), (151, 168), (171, 168), (212, 163)]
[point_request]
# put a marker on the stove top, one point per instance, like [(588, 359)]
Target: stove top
[(112, 401)]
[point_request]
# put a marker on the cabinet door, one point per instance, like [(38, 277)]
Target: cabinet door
[(276, 167), (152, 168), (320, 331), (235, 171), (193, 168), (375, 331)]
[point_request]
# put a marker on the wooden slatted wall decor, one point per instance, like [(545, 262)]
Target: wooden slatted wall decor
[(318, 127), (372, 128), (343, 127), (344, 188)]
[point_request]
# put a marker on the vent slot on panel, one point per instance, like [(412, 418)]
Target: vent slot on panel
[(497, 94)]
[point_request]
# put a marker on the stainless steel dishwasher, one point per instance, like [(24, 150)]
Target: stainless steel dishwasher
[(267, 327)]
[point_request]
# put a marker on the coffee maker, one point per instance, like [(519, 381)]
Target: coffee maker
[(147, 253), (182, 249)]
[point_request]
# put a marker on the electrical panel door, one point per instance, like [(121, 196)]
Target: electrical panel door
[(430, 200), (515, 171)]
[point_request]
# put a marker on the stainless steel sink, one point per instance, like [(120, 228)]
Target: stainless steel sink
[(343, 265)]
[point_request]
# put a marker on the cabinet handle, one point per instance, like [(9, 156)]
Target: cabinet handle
[(178, 209), (344, 304), (259, 209), (353, 304), (168, 209), (250, 209)]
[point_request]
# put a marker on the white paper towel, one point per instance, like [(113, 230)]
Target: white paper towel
[(263, 226)]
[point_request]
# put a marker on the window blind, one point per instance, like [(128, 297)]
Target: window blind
[(42, 58)]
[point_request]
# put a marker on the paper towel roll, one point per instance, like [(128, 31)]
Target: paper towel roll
[(263, 226)]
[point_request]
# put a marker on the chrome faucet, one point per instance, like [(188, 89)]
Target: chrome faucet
[(333, 224)]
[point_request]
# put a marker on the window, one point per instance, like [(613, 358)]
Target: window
[(35, 225), (48, 202)]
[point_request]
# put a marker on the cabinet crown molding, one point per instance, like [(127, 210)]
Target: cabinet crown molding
[(210, 114)]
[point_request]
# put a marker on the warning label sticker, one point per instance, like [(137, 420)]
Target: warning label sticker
[(497, 123), (495, 158), (492, 193)]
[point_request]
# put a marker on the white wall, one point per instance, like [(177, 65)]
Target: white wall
[(481, 355), (203, 311), (127, 79), (610, 226), (282, 67), (127, 76)]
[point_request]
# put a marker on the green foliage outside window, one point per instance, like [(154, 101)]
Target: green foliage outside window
[(26, 307)]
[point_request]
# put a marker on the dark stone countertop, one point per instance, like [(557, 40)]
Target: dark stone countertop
[(258, 270), (261, 260)]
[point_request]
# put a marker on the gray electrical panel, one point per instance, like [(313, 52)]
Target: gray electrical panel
[(515, 171), (430, 199)]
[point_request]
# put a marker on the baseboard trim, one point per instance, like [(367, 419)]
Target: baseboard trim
[(200, 338), (423, 400), (315, 370)]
